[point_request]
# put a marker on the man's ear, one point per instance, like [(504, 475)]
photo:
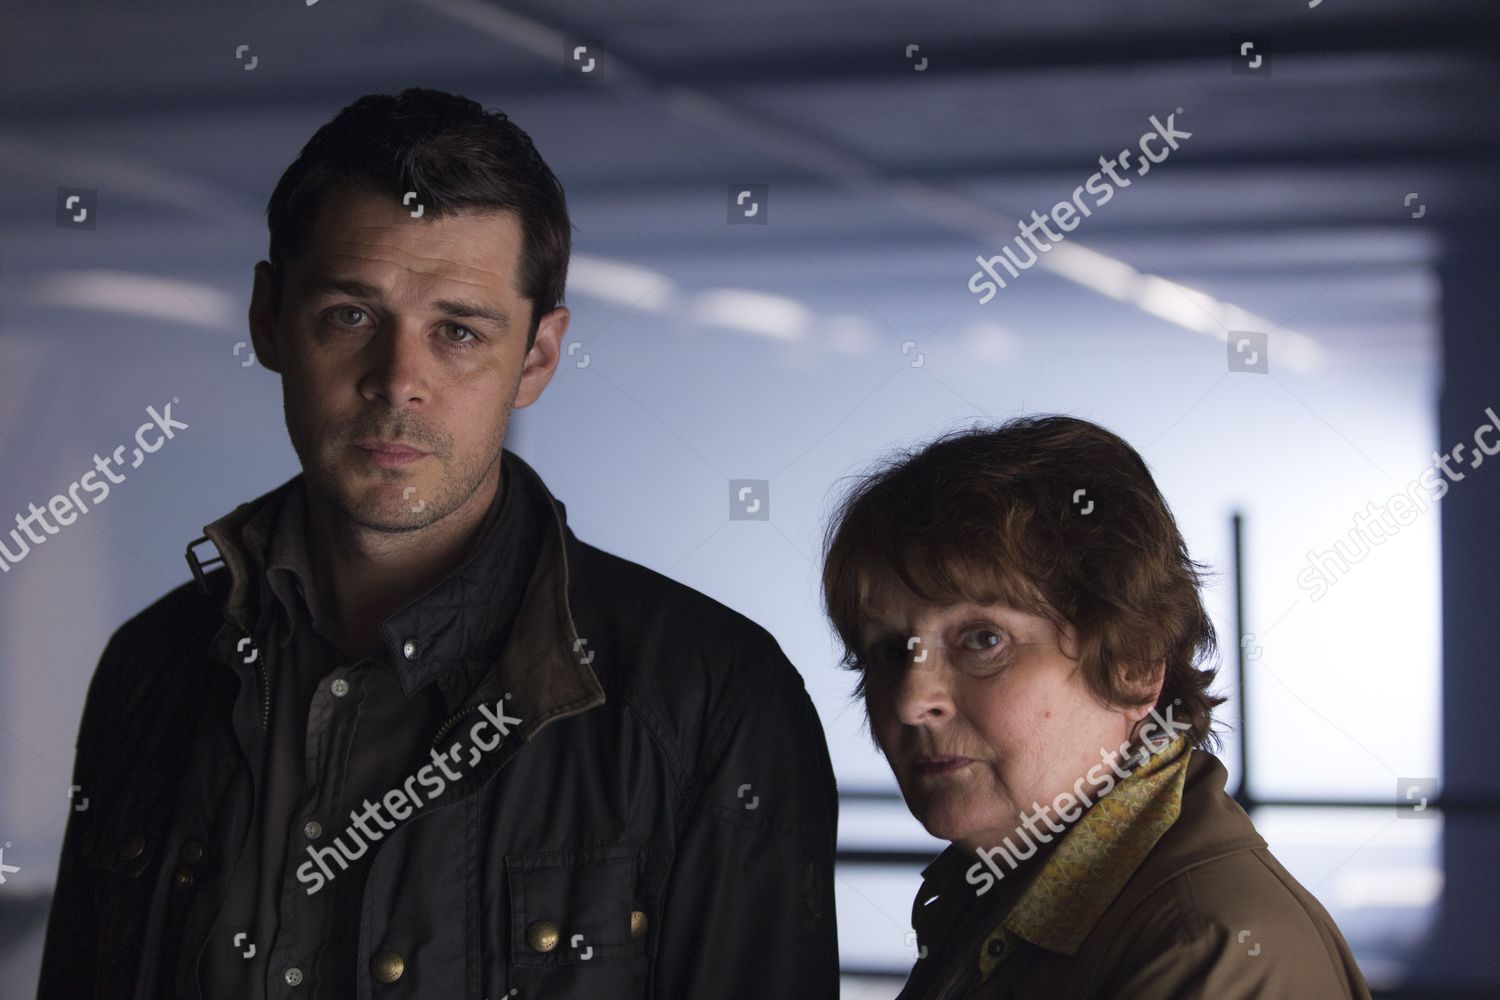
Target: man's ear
[(541, 360), (263, 319)]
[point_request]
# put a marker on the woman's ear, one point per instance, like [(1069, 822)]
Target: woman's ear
[(1150, 694)]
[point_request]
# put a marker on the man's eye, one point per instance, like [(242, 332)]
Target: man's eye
[(342, 314), (468, 334)]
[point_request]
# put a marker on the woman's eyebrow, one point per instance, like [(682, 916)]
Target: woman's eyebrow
[(875, 628)]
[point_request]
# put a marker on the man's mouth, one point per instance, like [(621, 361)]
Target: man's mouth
[(389, 453)]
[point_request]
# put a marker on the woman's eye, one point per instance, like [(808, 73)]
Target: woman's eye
[(985, 639)]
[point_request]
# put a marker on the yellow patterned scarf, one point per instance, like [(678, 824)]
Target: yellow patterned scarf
[(1093, 860)]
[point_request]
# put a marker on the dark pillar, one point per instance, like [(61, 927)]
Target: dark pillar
[(1462, 950)]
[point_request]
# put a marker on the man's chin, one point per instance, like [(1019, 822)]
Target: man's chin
[(377, 505)]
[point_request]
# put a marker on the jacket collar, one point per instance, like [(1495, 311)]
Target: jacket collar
[(541, 663)]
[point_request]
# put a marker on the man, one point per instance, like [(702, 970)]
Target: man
[(414, 738)]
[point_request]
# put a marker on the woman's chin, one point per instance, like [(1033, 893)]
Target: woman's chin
[(958, 822), (944, 829)]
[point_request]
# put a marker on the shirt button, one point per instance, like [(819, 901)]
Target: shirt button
[(292, 975), (340, 688), (542, 935), (312, 829), (133, 848), (183, 879), (637, 924), (386, 966), (410, 649), (192, 852)]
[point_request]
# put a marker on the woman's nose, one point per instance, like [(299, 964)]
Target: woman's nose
[(923, 695)]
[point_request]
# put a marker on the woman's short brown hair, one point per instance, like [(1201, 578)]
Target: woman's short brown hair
[(1050, 515)]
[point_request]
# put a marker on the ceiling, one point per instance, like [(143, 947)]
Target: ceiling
[(1318, 195)]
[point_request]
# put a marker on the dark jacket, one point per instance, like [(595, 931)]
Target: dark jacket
[(1205, 913), (663, 815)]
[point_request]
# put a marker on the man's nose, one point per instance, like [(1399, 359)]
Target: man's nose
[(398, 365)]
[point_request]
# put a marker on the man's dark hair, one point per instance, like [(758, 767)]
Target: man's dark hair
[(455, 155)]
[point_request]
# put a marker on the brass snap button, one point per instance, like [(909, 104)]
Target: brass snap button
[(637, 924), (386, 966), (542, 935)]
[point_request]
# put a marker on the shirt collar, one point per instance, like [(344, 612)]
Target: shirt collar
[(509, 547), (460, 621)]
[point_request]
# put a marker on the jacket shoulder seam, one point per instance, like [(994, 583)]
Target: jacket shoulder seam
[(659, 735)]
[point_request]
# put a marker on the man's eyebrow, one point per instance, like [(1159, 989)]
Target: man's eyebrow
[(465, 309), (461, 308)]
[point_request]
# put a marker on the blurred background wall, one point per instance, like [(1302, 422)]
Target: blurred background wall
[(779, 207)]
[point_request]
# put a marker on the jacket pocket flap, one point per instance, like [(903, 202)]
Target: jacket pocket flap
[(125, 829), (574, 906)]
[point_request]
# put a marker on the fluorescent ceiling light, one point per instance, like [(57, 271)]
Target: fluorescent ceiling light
[(752, 312), (143, 295), (622, 284)]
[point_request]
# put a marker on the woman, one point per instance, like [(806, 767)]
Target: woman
[(1026, 623)]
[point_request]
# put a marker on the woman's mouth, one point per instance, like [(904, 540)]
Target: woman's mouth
[(941, 764)]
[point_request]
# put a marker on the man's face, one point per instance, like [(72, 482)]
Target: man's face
[(402, 333)]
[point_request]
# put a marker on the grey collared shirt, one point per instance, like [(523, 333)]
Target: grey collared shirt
[(343, 732)]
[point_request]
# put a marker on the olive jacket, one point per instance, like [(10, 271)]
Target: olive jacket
[(1162, 891)]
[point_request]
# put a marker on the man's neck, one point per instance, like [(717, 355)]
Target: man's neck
[(363, 575)]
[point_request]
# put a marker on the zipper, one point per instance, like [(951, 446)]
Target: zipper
[(265, 697), (263, 683), (444, 729)]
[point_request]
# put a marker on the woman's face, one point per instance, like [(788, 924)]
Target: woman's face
[(983, 714)]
